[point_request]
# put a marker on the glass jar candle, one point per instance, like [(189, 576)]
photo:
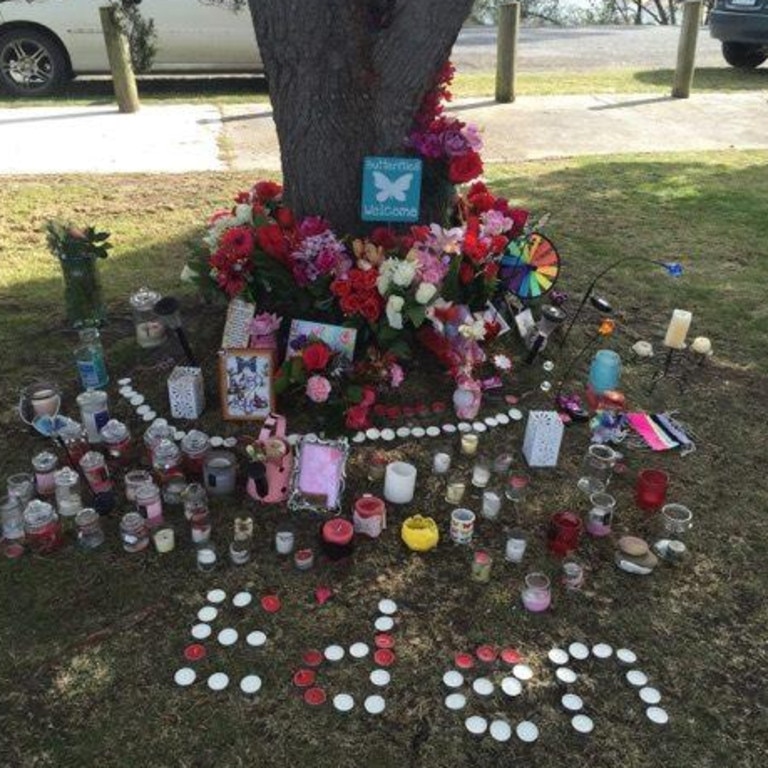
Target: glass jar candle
[(42, 398), (481, 472), (284, 541), (651, 489), (220, 470), (536, 594), (195, 500), (154, 433), (194, 447), (134, 532), (117, 441), (454, 491), (515, 547), (481, 566), (516, 488), (75, 440), (377, 466), (133, 480), (12, 518), (44, 465), (573, 575), (172, 491), (600, 516), (150, 329), (164, 540), (502, 463), (441, 462), (462, 526), (69, 500), (94, 468), (94, 412), (22, 486), (469, 443), (90, 534), (304, 559), (42, 527), (597, 468), (150, 504), (563, 533), (166, 461), (200, 527), (491, 504), (206, 559)]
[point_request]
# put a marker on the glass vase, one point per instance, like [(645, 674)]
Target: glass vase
[(82, 291)]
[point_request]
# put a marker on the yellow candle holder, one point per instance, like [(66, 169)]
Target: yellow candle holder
[(419, 533)]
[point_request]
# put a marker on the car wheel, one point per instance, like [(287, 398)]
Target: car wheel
[(743, 55), (31, 63)]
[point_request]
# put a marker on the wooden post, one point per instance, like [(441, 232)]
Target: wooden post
[(506, 52), (118, 52), (686, 49)]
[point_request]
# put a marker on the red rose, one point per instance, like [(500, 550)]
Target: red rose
[(384, 237), (372, 307), (466, 273), (350, 304), (357, 417), (520, 218), (498, 243), (267, 190), (272, 241), (284, 217), (316, 356), (491, 270), (464, 168)]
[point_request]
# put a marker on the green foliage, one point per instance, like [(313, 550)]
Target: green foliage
[(70, 242)]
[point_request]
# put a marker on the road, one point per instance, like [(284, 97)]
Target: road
[(544, 49)]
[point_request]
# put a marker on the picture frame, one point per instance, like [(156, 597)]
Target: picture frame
[(246, 384), (319, 475), (339, 338)]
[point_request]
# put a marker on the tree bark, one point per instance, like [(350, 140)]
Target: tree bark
[(346, 78)]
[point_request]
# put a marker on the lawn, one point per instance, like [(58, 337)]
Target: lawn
[(91, 641)]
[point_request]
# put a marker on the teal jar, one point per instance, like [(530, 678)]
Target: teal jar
[(605, 371)]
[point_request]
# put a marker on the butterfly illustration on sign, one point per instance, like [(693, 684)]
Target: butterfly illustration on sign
[(389, 189)]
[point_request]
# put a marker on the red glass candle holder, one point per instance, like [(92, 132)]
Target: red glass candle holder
[(651, 489), (564, 533)]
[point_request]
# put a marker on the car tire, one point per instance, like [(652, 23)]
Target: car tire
[(32, 63), (743, 55)]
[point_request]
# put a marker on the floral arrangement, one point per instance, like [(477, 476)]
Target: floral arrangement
[(67, 241)]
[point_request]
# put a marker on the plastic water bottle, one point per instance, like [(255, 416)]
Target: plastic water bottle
[(89, 356)]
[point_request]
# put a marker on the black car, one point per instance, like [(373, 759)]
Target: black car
[(742, 26)]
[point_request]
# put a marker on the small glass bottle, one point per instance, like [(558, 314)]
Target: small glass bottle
[(150, 329), (12, 518), (195, 446), (42, 527), (94, 412), (117, 441), (44, 464), (90, 534), (69, 500), (150, 504), (166, 461), (75, 440), (133, 480), (89, 356), (195, 500), (96, 473), (134, 532)]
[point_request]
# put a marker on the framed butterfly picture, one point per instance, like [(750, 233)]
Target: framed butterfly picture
[(391, 189)]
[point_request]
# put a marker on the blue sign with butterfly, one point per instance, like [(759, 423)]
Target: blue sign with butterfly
[(391, 189)]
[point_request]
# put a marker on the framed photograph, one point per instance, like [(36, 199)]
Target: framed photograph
[(337, 337), (245, 384), (319, 475)]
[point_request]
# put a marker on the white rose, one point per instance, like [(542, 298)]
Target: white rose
[(404, 273), (425, 293), (243, 213), (394, 312)]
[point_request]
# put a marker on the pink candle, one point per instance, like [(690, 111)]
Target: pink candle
[(536, 593)]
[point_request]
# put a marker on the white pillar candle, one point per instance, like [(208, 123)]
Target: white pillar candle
[(164, 539), (491, 505), (678, 329), (399, 482)]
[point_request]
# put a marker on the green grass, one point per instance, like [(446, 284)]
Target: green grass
[(90, 642)]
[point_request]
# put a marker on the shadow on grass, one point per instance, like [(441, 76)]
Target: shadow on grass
[(710, 79), (98, 90)]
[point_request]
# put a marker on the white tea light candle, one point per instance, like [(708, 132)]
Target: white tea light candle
[(702, 345), (678, 329)]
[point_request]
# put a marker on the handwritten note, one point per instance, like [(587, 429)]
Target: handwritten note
[(236, 328)]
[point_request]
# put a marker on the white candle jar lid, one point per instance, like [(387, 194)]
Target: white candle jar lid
[(207, 613), (250, 684), (578, 651), (637, 678), (558, 656), (218, 681), (572, 702), (650, 695), (657, 715), (511, 686), (625, 656), (343, 702), (334, 653), (527, 731), (455, 701), (375, 704), (384, 623), (476, 725), (387, 607), (453, 679), (501, 730), (185, 676), (380, 677), (201, 631), (216, 596), (602, 651), (483, 686), (358, 650), (227, 636), (242, 599), (582, 723), (566, 675), (256, 639), (522, 672)]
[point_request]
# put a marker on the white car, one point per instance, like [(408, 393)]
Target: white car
[(44, 43)]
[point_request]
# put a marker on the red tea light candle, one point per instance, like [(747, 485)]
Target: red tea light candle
[(42, 527), (336, 538), (651, 489)]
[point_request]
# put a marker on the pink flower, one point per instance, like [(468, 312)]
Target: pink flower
[(396, 375), (318, 389)]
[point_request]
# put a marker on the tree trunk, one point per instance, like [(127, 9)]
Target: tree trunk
[(346, 78)]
